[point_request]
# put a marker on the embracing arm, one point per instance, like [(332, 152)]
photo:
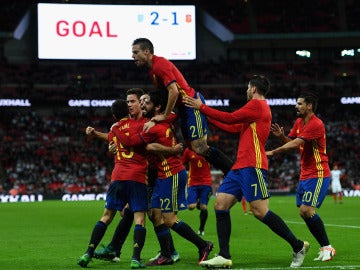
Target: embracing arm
[(159, 149), (127, 140), (246, 114), (225, 127), (172, 98), (170, 119)]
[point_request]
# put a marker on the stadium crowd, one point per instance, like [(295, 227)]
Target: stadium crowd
[(47, 152), (51, 154), (96, 80)]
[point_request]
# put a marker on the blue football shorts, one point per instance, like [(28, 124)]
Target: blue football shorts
[(122, 192), (249, 182), (312, 191), (193, 123), (169, 193), (200, 194)]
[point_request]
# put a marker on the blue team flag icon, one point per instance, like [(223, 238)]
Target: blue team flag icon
[(140, 17)]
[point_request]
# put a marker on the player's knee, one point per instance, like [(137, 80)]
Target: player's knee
[(201, 150), (169, 220), (150, 216), (259, 213), (302, 215), (107, 219), (191, 206), (200, 146), (156, 219), (306, 212), (220, 205), (139, 218)]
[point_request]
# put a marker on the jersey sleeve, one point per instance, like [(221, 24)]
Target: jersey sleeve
[(235, 128), (110, 136), (248, 113), (150, 136)]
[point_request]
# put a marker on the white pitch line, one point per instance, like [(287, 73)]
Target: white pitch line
[(328, 225), (304, 267)]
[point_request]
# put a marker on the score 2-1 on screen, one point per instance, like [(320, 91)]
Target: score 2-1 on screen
[(156, 20)]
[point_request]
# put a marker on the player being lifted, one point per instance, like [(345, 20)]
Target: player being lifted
[(166, 76)]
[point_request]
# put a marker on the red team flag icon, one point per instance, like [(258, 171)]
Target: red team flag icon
[(188, 18)]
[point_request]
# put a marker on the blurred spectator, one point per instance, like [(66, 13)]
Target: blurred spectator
[(45, 151)]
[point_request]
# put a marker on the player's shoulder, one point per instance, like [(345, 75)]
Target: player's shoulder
[(260, 104), (162, 126), (159, 58), (114, 125), (123, 121), (315, 118), (316, 121), (298, 120), (160, 62)]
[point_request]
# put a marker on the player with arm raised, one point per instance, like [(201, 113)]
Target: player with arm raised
[(249, 172), (308, 136), (128, 186)]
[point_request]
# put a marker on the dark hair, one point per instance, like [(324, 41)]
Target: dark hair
[(159, 98), (261, 83), (135, 91), (310, 98), (120, 109), (144, 44)]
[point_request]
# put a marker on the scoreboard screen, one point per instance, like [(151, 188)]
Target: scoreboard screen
[(106, 32)]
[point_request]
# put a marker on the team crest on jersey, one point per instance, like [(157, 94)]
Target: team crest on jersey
[(125, 126)]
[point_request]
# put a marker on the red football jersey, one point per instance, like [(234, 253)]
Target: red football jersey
[(130, 162), (160, 133), (255, 117), (198, 167), (163, 72), (163, 133), (313, 157)]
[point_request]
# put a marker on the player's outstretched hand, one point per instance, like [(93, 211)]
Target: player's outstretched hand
[(194, 103), (277, 130)]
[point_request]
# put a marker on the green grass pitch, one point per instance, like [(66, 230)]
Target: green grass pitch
[(53, 234)]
